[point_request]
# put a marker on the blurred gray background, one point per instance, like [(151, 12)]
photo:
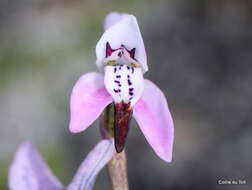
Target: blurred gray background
[(199, 54)]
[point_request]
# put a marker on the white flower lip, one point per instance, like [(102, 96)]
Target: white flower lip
[(124, 83), (124, 32)]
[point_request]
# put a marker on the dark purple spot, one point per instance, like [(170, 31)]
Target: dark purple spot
[(128, 67), (130, 98), (131, 93), (120, 54), (118, 76), (128, 76), (131, 89), (117, 91), (132, 52), (116, 81), (119, 85), (115, 69), (129, 82), (132, 70), (120, 67), (109, 50)]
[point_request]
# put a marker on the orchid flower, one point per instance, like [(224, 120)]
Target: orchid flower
[(29, 171), (122, 60)]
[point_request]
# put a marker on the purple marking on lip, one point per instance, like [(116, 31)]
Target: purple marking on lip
[(128, 76), (110, 50), (117, 91), (118, 76), (131, 89), (128, 67), (131, 52), (129, 82), (115, 70), (132, 70), (131, 93), (116, 81)]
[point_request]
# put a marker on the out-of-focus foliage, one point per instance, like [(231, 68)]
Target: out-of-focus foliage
[(199, 53)]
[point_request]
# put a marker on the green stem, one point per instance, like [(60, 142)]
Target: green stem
[(117, 167)]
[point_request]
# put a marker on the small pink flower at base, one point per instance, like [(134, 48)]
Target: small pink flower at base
[(122, 61), (29, 171)]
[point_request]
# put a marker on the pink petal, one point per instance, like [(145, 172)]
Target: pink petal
[(98, 157), (89, 98), (124, 31), (154, 118), (29, 171)]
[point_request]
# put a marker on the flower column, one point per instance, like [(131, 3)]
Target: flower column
[(117, 167)]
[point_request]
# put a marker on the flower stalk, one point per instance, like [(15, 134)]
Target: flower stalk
[(117, 171), (117, 166)]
